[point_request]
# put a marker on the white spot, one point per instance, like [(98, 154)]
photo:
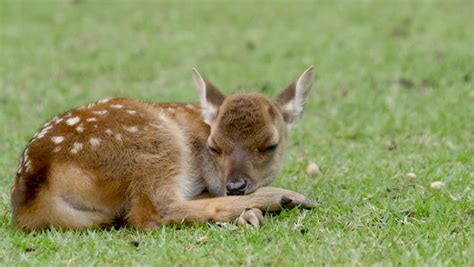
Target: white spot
[(108, 131), (69, 114), (39, 135), (116, 106), (57, 139), (91, 105), (156, 125), (91, 119), (80, 129), (58, 121), (105, 100), (25, 158), (43, 132), (100, 112), (94, 141), (51, 121), (164, 118), (189, 106), (132, 129), (28, 166), (57, 149), (47, 128), (73, 120), (437, 185), (118, 137), (76, 148), (19, 169), (131, 112)]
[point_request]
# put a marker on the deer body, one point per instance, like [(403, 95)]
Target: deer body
[(144, 165)]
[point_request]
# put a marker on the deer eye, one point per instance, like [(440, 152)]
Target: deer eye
[(214, 151), (268, 149)]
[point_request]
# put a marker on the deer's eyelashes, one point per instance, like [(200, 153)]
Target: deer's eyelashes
[(268, 149), (214, 151)]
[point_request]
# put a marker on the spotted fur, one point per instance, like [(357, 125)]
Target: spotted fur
[(149, 164)]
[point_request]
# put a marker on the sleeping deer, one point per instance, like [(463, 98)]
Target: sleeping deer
[(120, 161)]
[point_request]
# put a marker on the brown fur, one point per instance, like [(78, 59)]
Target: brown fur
[(149, 164)]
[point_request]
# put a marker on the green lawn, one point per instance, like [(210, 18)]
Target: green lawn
[(399, 71)]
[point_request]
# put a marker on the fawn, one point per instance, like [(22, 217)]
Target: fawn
[(120, 161)]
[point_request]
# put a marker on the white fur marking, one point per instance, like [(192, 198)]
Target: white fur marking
[(94, 142), (156, 125), (108, 132), (19, 169), (105, 100), (132, 129), (57, 139), (80, 129), (25, 159), (131, 112), (76, 148), (116, 106), (57, 149), (40, 135), (27, 166), (100, 112), (58, 121), (91, 119), (73, 121), (118, 137), (43, 132), (49, 122), (47, 128), (164, 118)]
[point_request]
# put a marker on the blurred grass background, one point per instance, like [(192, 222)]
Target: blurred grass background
[(387, 71)]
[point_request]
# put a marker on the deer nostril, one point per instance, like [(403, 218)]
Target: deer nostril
[(236, 187), (242, 186)]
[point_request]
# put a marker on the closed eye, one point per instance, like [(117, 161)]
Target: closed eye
[(214, 151), (268, 149)]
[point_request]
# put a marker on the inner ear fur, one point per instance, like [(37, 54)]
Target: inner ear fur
[(284, 98), (210, 97), (293, 99), (213, 94)]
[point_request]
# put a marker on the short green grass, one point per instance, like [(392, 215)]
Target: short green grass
[(399, 71)]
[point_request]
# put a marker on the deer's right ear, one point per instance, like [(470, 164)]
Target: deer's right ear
[(209, 96)]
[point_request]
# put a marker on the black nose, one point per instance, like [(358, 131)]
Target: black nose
[(236, 186)]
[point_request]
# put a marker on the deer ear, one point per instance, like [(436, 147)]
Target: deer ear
[(293, 99), (209, 96)]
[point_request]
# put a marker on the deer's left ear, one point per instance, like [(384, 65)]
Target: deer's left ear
[(293, 99), (209, 96)]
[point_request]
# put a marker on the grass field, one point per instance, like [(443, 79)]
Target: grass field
[(387, 71)]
